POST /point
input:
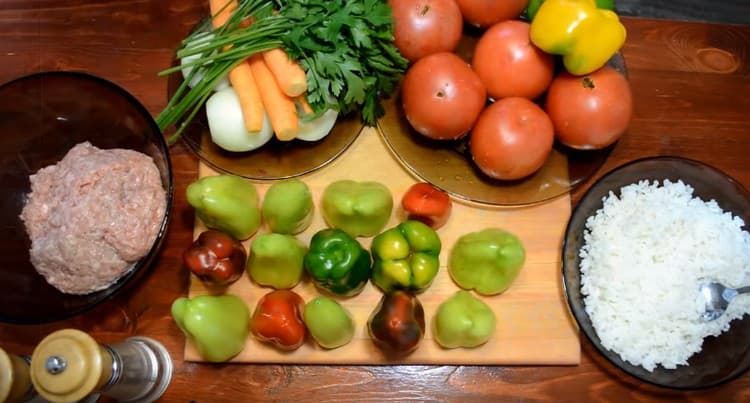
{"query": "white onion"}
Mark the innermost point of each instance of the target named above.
(319, 127)
(227, 125)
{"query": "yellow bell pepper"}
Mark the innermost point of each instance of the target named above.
(584, 35)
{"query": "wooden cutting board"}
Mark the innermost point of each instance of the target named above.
(533, 322)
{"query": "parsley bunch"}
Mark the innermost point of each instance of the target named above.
(345, 47)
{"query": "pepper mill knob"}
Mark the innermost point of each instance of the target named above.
(69, 365)
(15, 383)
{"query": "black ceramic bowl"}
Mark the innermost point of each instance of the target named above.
(722, 358)
(42, 116)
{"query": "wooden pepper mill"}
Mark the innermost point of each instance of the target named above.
(69, 365)
(15, 380)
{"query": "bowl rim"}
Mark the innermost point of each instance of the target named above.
(146, 262)
(593, 338)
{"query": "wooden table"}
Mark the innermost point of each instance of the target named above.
(690, 82)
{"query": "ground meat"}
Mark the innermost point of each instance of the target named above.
(92, 215)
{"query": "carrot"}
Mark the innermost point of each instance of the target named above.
(280, 108)
(302, 101)
(241, 77)
(221, 10)
(289, 74)
(245, 86)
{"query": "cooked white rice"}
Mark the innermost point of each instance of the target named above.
(644, 255)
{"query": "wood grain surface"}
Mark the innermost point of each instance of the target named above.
(690, 83)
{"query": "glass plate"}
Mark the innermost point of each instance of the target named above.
(448, 165)
(276, 159)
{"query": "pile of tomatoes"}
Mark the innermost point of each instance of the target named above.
(509, 98)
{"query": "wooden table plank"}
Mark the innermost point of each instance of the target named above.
(727, 11)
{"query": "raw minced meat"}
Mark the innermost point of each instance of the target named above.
(92, 215)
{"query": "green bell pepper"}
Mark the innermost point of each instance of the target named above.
(227, 203)
(463, 320)
(329, 323)
(359, 208)
(276, 260)
(487, 261)
(288, 207)
(406, 257)
(217, 325)
(337, 262)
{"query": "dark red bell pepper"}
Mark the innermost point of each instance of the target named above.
(424, 202)
(216, 258)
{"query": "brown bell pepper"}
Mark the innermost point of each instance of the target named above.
(216, 258)
(397, 325)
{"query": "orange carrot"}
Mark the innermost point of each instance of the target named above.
(221, 10)
(289, 74)
(302, 101)
(280, 108)
(245, 86)
(241, 76)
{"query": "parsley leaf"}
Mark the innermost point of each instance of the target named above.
(351, 61)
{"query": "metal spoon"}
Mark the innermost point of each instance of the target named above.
(718, 298)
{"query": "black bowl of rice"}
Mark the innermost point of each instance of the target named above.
(637, 246)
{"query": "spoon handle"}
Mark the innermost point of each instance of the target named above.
(743, 290)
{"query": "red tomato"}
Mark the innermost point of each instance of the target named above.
(278, 320)
(510, 65)
(512, 139)
(424, 27)
(483, 13)
(428, 204)
(442, 96)
(590, 112)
